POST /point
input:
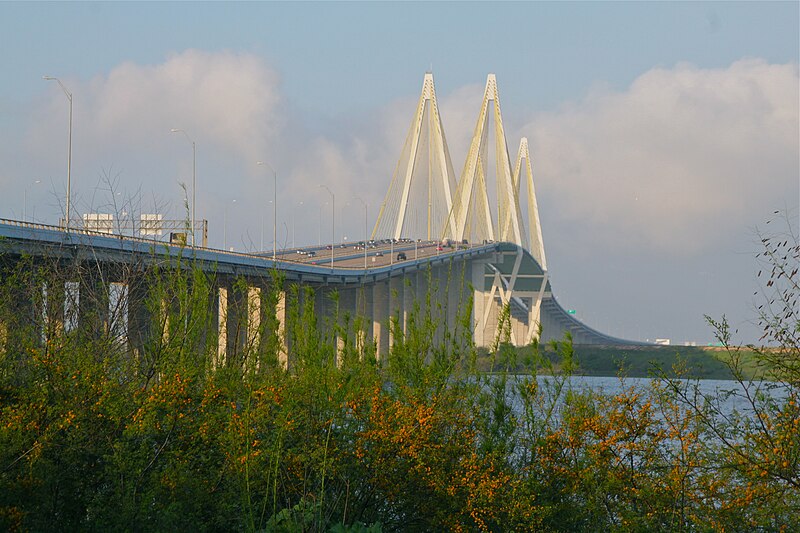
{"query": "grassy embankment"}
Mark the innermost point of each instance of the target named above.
(698, 362)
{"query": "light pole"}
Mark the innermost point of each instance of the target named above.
(275, 211)
(69, 152)
(333, 222)
(194, 173)
(25, 203)
(365, 229)
(225, 226)
(293, 210)
(319, 228)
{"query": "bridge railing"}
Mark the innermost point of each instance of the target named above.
(232, 254)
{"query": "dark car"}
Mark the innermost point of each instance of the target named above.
(401, 256)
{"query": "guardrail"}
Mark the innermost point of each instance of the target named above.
(131, 238)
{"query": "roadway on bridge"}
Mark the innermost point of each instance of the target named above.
(352, 256)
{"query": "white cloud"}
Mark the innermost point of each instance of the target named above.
(670, 163)
(226, 100)
(680, 158)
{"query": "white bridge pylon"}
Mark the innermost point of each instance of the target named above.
(536, 244)
(471, 202)
(422, 176)
(424, 201)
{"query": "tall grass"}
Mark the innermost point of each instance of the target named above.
(161, 429)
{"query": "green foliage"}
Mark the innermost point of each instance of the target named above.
(177, 426)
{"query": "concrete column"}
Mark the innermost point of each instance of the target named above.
(458, 304)
(396, 311)
(19, 327)
(93, 303)
(409, 295)
(222, 326)
(422, 291)
(253, 343)
(380, 319)
(440, 307)
(53, 294)
(479, 304)
(238, 312)
(283, 342)
(326, 308)
(454, 295)
(139, 316)
(346, 314)
(368, 319)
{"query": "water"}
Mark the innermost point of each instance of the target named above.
(730, 398)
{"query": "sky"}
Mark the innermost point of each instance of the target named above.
(663, 136)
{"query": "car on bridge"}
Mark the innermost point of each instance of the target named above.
(401, 256)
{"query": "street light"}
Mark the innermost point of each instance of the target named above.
(225, 226)
(69, 153)
(25, 203)
(365, 229)
(333, 222)
(293, 211)
(275, 211)
(319, 228)
(194, 173)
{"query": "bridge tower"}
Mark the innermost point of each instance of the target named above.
(536, 243)
(420, 196)
(471, 214)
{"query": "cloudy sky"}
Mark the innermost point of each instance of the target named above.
(663, 135)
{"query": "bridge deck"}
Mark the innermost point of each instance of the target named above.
(348, 265)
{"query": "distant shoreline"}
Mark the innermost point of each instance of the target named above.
(696, 362)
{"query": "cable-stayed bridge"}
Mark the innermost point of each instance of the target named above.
(454, 240)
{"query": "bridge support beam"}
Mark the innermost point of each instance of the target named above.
(396, 310)
(221, 316)
(409, 295)
(363, 322)
(380, 319)
(93, 303)
(139, 316)
(282, 339)
(346, 315)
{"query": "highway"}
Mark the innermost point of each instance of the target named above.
(380, 254)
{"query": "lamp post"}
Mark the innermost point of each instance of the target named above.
(25, 203)
(333, 222)
(69, 152)
(225, 226)
(365, 229)
(275, 211)
(293, 211)
(319, 228)
(194, 173)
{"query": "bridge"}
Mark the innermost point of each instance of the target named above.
(436, 239)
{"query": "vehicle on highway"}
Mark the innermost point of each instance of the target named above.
(378, 254)
(311, 253)
(401, 256)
